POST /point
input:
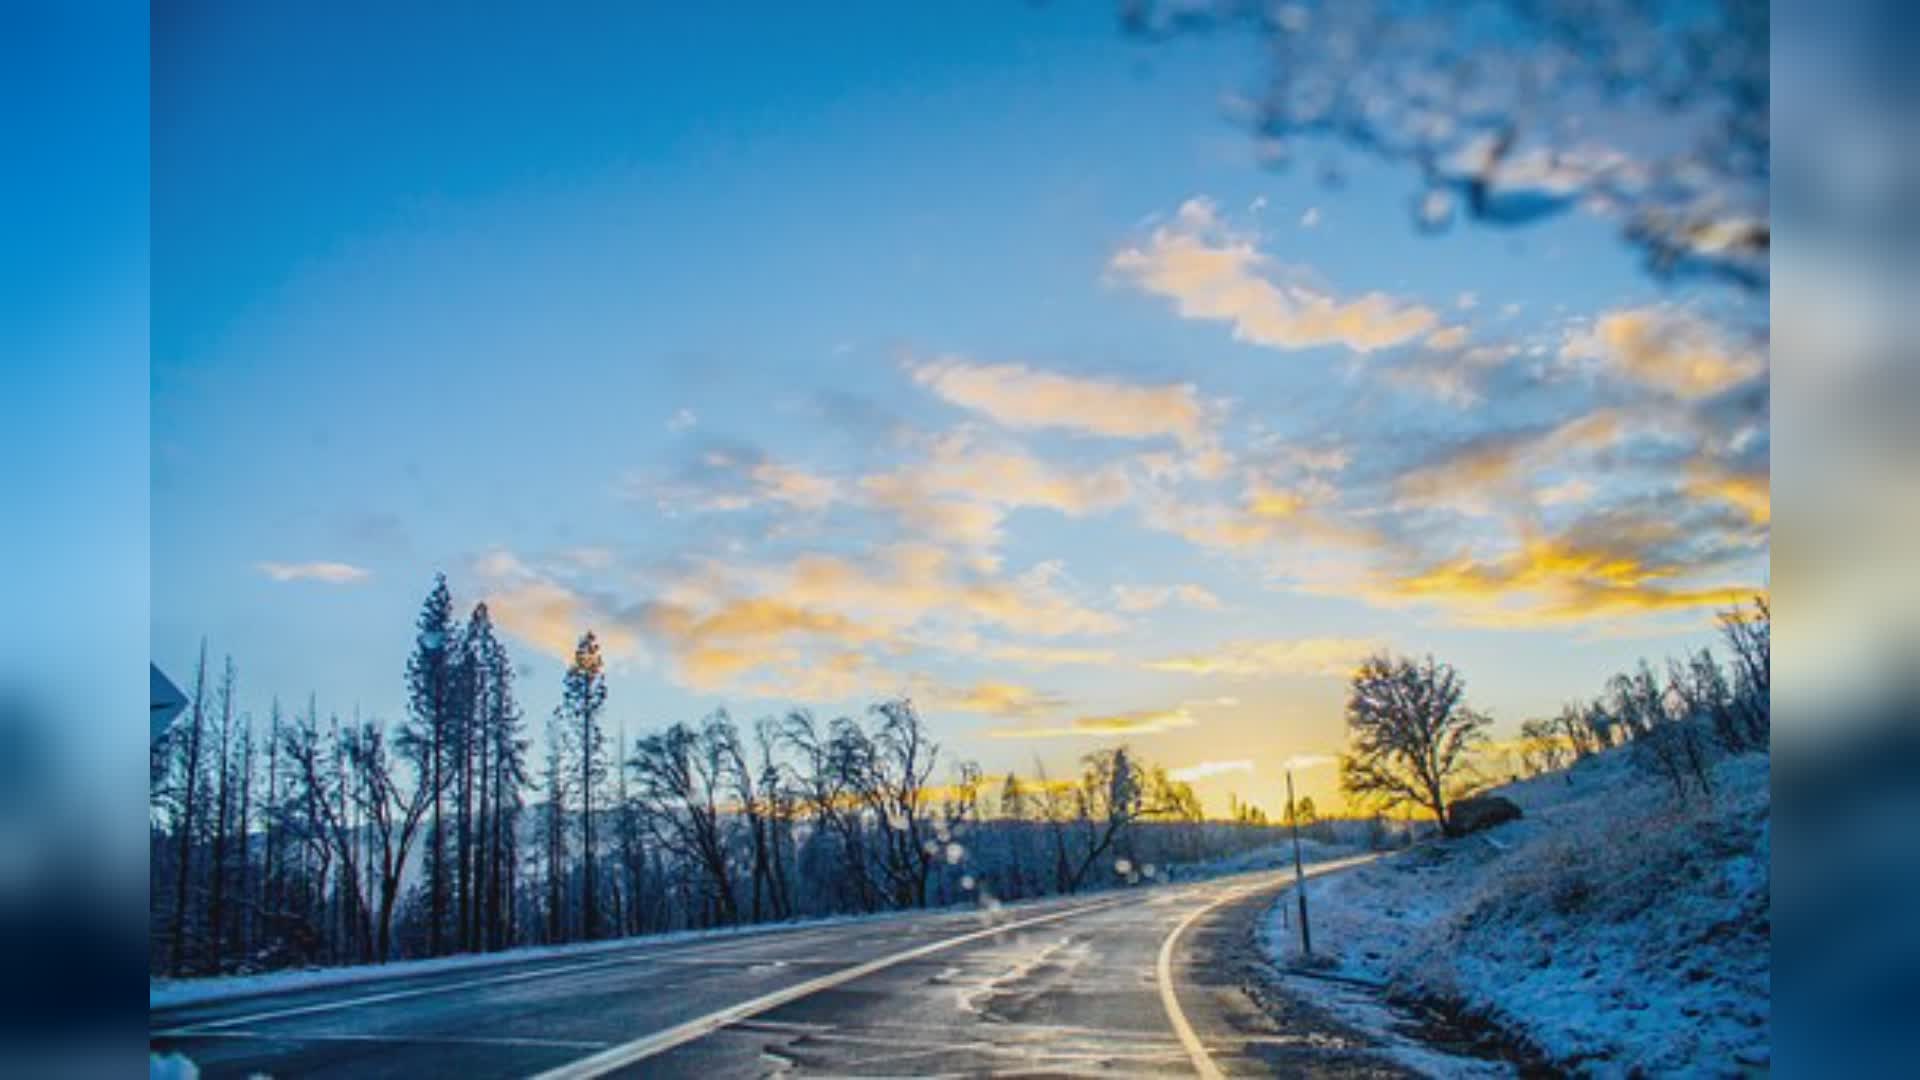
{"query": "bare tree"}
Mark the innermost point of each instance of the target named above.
(1749, 637)
(322, 768)
(1544, 746)
(779, 800)
(1110, 798)
(894, 786)
(681, 773)
(832, 766)
(1410, 734)
(756, 787)
(1636, 701)
(392, 812)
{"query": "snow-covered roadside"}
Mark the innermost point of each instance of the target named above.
(1607, 931)
(1271, 857)
(172, 993)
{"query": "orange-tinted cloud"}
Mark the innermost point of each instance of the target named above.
(1304, 656)
(1142, 722)
(1138, 598)
(1021, 397)
(552, 617)
(1556, 580)
(1666, 348)
(1750, 492)
(995, 698)
(1213, 273)
(1204, 769)
(1048, 655)
(1493, 473)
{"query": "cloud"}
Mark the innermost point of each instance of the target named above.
(907, 583)
(1025, 398)
(330, 573)
(1302, 762)
(1483, 475)
(1451, 374)
(735, 627)
(1305, 656)
(1749, 491)
(1266, 517)
(1666, 348)
(1203, 770)
(963, 490)
(1048, 656)
(963, 522)
(1213, 703)
(998, 699)
(736, 478)
(793, 486)
(1610, 567)
(1310, 217)
(1574, 490)
(1142, 722)
(682, 420)
(1152, 597)
(797, 675)
(551, 618)
(1212, 273)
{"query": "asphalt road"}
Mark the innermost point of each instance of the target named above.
(1150, 981)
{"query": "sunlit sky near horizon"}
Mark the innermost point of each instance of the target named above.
(964, 353)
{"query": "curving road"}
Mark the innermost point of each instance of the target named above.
(1151, 981)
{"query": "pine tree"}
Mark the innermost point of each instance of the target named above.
(190, 750)
(492, 771)
(507, 750)
(554, 779)
(583, 698)
(469, 682)
(429, 690)
(223, 817)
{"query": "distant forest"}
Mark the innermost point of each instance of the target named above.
(314, 839)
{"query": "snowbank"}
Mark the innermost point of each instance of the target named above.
(1270, 857)
(1608, 931)
(172, 993)
(165, 993)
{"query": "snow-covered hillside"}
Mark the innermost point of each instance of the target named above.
(1608, 931)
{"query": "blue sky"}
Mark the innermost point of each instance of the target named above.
(969, 353)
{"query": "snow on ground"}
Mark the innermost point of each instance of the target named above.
(164, 993)
(1609, 931)
(1270, 857)
(171, 993)
(171, 1067)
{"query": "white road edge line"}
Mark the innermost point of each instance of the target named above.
(1196, 1051)
(630, 1053)
(637, 952)
(209, 1026)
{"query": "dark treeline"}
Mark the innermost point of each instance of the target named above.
(1679, 724)
(1413, 741)
(309, 839)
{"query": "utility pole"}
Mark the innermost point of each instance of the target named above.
(1299, 873)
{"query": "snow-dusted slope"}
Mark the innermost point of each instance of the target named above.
(1610, 929)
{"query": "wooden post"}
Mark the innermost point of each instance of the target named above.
(1299, 873)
